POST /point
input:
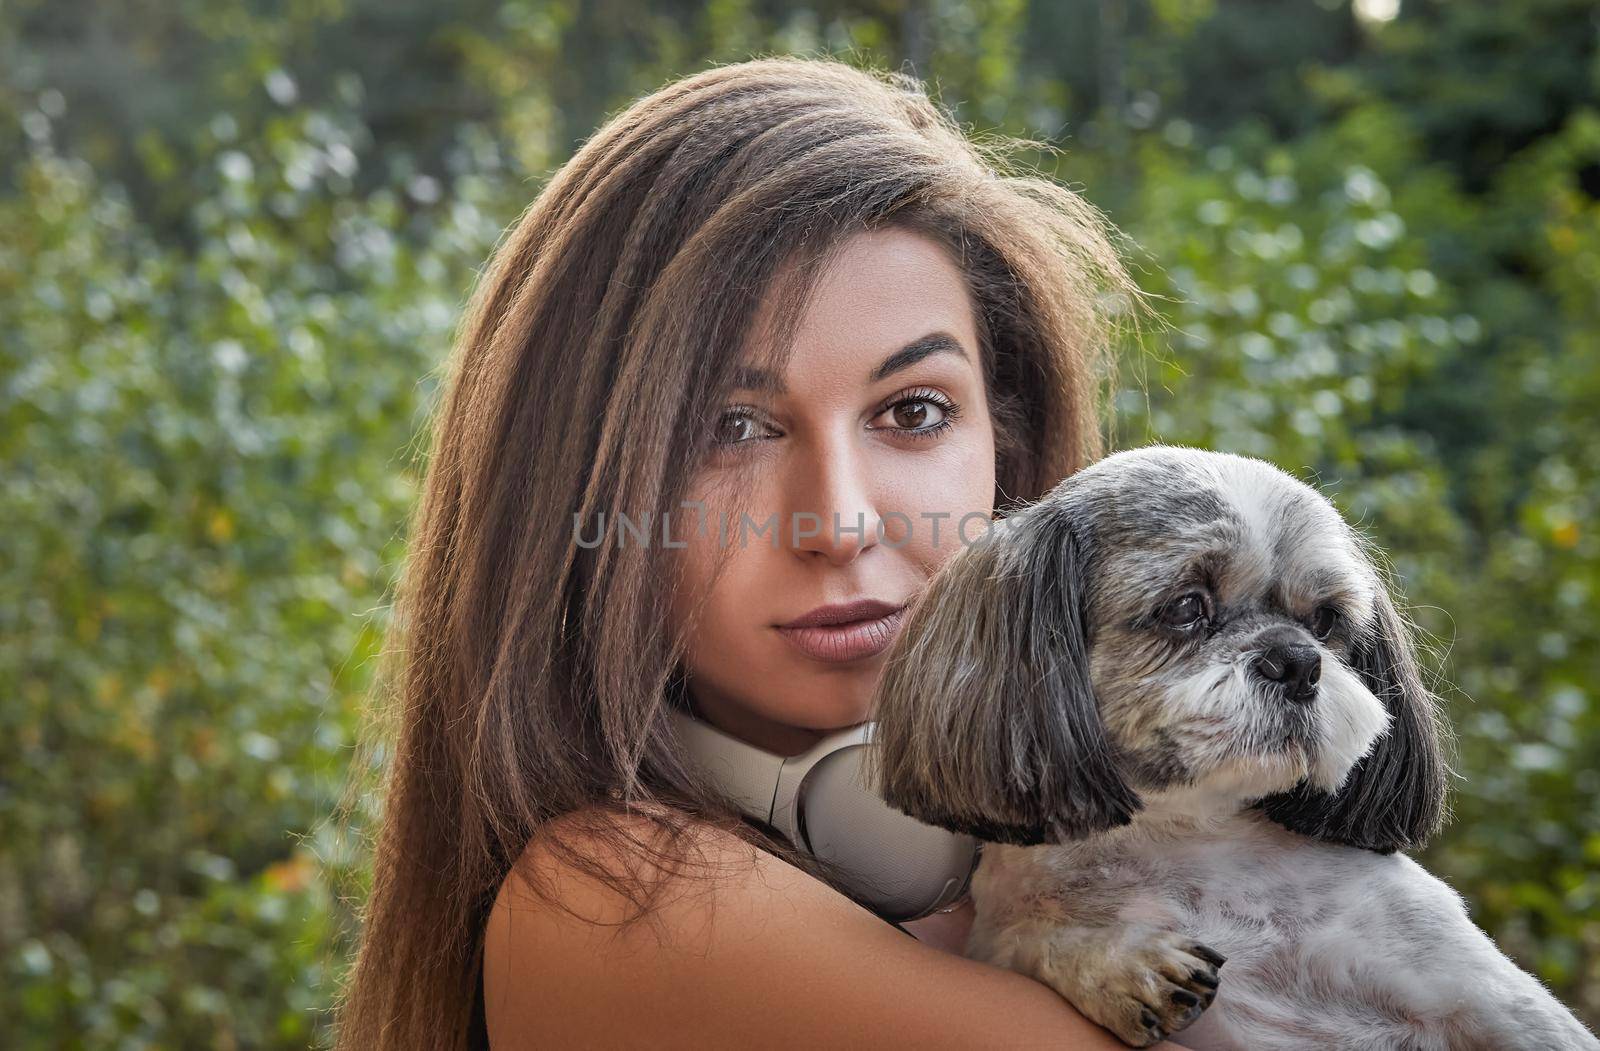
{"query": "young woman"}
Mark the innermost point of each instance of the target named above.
(785, 292)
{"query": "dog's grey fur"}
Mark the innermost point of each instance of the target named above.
(1153, 794)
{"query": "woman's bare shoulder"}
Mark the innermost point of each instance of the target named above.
(625, 845)
(763, 954)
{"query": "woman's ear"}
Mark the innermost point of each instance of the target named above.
(986, 720)
(1394, 797)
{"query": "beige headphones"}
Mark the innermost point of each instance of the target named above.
(902, 868)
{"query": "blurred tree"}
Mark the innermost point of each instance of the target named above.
(203, 485)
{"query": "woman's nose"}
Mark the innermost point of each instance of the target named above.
(833, 512)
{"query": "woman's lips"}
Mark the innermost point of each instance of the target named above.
(845, 642)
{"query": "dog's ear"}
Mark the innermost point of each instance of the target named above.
(1394, 797)
(986, 719)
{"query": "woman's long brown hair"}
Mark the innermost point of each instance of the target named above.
(529, 671)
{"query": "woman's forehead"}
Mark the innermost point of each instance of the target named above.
(887, 300)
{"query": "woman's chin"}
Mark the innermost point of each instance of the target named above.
(830, 707)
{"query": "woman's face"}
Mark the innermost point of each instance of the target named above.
(875, 424)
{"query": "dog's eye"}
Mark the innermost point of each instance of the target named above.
(1185, 611)
(1323, 621)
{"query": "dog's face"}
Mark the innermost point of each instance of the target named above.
(1168, 622)
(1224, 603)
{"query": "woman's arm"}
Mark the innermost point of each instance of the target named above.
(772, 958)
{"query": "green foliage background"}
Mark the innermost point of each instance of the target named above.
(237, 237)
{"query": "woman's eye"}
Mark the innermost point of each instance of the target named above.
(735, 427)
(1185, 611)
(913, 415)
(921, 414)
(1323, 621)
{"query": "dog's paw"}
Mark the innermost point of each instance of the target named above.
(1142, 984)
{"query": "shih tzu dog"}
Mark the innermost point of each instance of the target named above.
(1176, 702)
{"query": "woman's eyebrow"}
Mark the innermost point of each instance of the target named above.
(757, 379)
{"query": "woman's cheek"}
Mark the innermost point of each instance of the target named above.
(947, 500)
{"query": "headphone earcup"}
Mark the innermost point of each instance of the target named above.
(903, 867)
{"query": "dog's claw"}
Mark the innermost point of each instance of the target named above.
(1142, 984)
(1154, 1031)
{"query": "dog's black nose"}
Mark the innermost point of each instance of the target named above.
(1295, 666)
